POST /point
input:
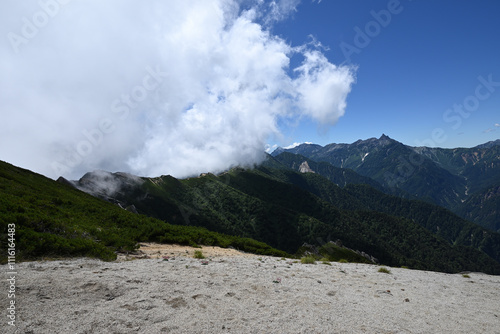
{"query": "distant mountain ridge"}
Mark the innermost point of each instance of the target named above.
(286, 208)
(447, 177)
(489, 144)
(288, 200)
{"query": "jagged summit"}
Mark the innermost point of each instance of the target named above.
(307, 149)
(373, 142)
(304, 149)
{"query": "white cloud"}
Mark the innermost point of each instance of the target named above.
(167, 87)
(323, 88)
(292, 146)
(497, 125)
(295, 145)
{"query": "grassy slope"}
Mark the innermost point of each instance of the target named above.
(257, 204)
(54, 220)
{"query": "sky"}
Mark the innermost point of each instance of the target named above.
(186, 87)
(415, 69)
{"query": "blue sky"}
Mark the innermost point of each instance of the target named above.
(424, 61)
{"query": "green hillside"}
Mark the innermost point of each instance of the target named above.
(338, 176)
(459, 179)
(54, 220)
(273, 206)
(395, 166)
(483, 207)
(277, 207)
(437, 220)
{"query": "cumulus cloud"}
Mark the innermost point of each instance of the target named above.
(163, 87)
(322, 87)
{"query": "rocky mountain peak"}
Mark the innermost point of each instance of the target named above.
(304, 168)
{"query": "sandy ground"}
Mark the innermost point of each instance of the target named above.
(158, 251)
(234, 292)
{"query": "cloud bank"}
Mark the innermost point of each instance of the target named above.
(163, 87)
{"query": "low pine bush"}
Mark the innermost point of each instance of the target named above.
(198, 254)
(308, 260)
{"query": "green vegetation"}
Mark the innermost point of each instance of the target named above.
(464, 180)
(440, 222)
(198, 254)
(309, 259)
(280, 208)
(54, 220)
(285, 209)
(336, 253)
(336, 175)
(483, 208)
(384, 270)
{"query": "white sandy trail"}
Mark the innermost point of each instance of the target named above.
(236, 294)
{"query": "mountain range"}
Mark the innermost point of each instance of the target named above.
(375, 201)
(463, 180)
(290, 200)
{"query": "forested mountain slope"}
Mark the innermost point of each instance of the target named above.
(276, 206)
(52, 220)
(458, 179)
